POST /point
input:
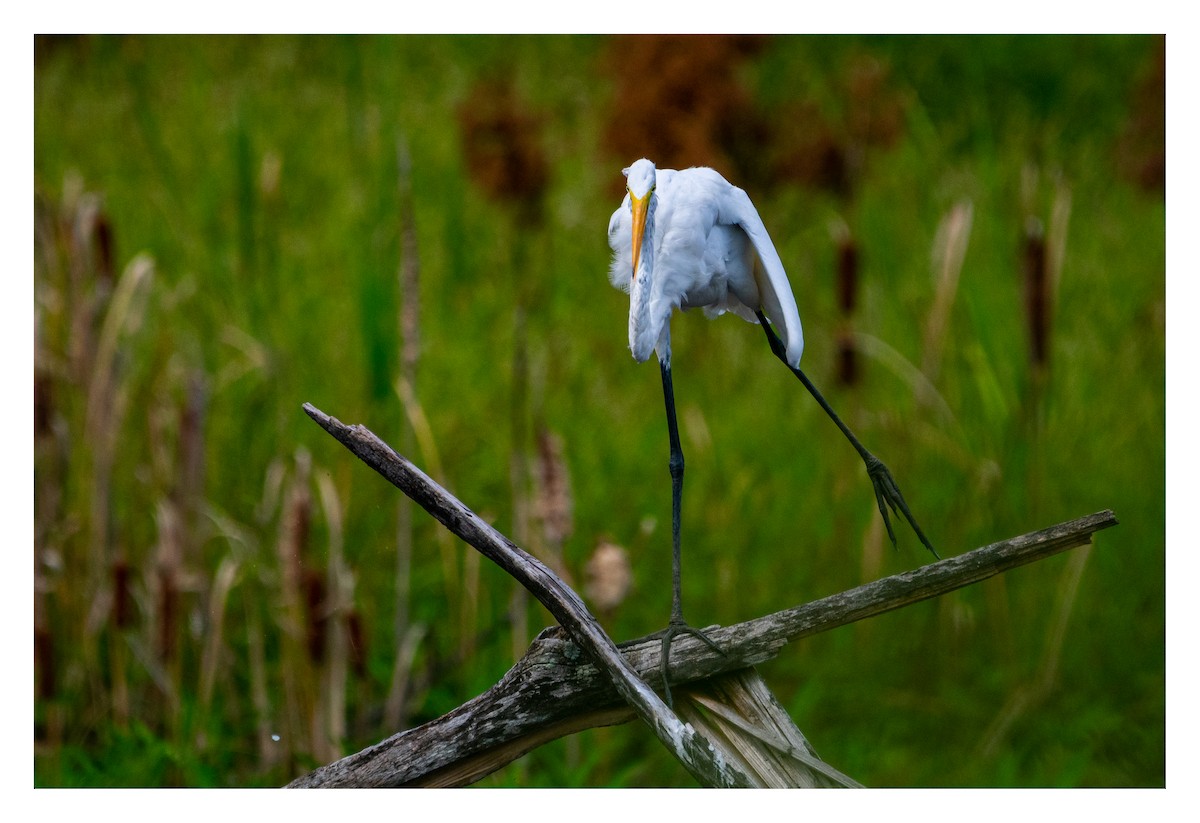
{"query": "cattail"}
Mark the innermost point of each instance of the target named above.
(43, 656)
(815, 155)
(43, 404)
(409, 276)
(518, 474)
(191, 441)
(1141, 150)
(708, 115)
(874, 111)
(848, 373)
(847, 291)
(167, 573)
(410, 270)
(122, 608)
(554, 503)
(315, 615)
(103, 233)
(502, 145)
(168, 613)
(830, 152)
(294, 538)
(847, 269)
(297, 675)
(1037, 313)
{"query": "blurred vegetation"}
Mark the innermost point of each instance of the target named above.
(409, 232)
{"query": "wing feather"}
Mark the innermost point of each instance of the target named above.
(779, 303)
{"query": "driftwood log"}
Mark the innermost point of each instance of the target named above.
(574, 677)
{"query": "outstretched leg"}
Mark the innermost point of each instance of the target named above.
(887, 493)
(677, 624)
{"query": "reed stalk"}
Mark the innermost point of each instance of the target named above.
(553, 504)
(168, 570)
(108, 396)
(340, 588)
(269, 750)
(296, 669)
(518, 477)
(122, 619)
(427, 447)
(410, 353)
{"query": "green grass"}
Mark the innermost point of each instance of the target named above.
(261, 176)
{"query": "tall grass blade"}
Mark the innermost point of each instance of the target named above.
(949, 252)
(215, 647)
(340, 588)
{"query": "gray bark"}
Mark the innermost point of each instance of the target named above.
(573, 677)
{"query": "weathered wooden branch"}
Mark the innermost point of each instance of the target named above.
(696, 754)
(556, 690)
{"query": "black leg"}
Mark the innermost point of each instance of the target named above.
(677, 624)
(887, 493)
(676, 467)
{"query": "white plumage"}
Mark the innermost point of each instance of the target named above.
(687, 239)
(704, 245)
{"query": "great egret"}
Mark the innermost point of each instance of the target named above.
(683, 239)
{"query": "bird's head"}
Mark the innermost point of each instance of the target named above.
(639, 182)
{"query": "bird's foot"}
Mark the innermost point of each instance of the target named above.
(887, 495)
(675, 628)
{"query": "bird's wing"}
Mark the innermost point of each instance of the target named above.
(778, 301)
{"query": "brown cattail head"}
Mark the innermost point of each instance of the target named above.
(847, 274)
(122, 609)
(92, 243)
(315, 613)
(43, 404)
(168, 612)
(679, 102)
(816, 155)
(555, 505)
(1142, 147)
(502, 144)
(103, 232)
(847, 298)
(848, 373)
(1037, 291)
(828, 150)
(410, 269)
(875, 110)
(191, 439)
(299, 515)
(43, 656)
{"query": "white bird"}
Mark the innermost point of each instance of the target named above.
(688, 239)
